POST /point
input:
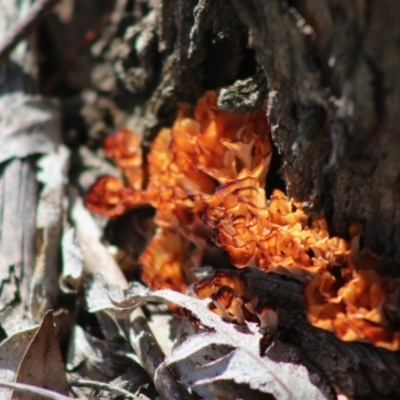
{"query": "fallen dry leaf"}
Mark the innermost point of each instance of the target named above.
(34, 391)
(96, 359)
(224, 352)
(11, 352)
(99, 388)
(88, 239)
(42, 363)
(28, 125)
(72, 261)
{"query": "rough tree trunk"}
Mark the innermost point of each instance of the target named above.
(333, 97)
(332, 67)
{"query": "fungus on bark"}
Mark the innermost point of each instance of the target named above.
(206, 181)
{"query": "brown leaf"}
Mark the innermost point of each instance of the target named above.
(42, 364)
(11, 352)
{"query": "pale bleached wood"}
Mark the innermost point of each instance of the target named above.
(29, 128)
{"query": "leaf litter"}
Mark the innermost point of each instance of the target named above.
(42, 364)
(227, 353)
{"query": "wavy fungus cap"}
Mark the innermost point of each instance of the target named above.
(123, 147)
(356, 304)
(204, 148)
(109, 197)
(205, 177)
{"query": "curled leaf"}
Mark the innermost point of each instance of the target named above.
(222, 352)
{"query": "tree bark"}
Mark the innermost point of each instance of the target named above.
(334, 100)
(358, 369)
(333, 95)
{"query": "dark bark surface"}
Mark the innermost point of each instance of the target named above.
(358, 369)
(170, 51)
(333, 98)
(334, 102)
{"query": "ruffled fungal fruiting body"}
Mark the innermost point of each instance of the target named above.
(356, 303)
(206, 177)
(275, 236)
(204, 148)
(231, 299)
(124, 148)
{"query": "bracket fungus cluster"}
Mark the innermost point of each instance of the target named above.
(205, 177)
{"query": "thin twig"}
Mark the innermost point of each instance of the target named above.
(24, 27)
(34, 389)
(103, 386)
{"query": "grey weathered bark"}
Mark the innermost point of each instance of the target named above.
(18, 186)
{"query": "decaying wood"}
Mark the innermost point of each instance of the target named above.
(326, 71)
(333, 101)
(356, 368)
(16, 239)
(332, 69)
(173, 51)
(18, 189)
